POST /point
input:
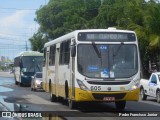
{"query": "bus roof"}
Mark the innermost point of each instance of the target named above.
(74, 33)
(30, 53)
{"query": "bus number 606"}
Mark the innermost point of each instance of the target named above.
(95, 88)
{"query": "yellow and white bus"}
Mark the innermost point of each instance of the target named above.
(100, 65)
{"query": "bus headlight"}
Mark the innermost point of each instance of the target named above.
(135, 85)
(81, 85)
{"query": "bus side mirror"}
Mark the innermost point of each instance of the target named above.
(73, 51)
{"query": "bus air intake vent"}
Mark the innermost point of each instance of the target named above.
(108, 82)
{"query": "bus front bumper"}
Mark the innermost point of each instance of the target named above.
(82, 95)
(26, 80)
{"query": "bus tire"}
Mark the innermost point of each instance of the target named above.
(143, 95)
(53, 97)
(66, 89)
(120, 105)
(158, 96)
(72, 104)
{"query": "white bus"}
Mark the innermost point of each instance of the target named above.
(100, 65)
(25, 66)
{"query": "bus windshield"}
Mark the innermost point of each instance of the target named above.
(107, 61)
(32, 63)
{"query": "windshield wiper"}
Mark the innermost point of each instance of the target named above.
(117, 51)
(96, 50)
(38, 67)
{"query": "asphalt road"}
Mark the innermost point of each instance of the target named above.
(22, 99)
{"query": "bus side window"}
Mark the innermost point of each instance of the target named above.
(67, 52)
(64, 53)
(52, 55)
(61, 57)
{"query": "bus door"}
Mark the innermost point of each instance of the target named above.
(72, 70)
(72, 82)
(56, 80)
(47, 68)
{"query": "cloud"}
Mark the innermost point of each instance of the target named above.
(15, 31)
(33, 27)
(14, 22)
(12, 32)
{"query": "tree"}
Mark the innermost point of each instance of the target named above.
(64, 16)
(37, 41)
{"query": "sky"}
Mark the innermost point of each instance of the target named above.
(17, 25)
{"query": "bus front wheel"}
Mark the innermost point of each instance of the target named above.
(120, 104)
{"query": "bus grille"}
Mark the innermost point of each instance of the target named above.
(109, 82)
(115, 95)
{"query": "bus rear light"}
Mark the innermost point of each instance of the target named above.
(81, 85)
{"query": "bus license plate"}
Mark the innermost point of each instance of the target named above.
(109, 99)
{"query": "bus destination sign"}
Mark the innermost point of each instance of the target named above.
(106, 36)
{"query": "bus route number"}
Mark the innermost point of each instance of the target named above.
(95, 88)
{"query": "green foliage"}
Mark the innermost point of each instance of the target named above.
(61, 17)
(38, 40)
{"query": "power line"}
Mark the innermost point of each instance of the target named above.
(21, 34)
(4, 39)
(13, 12)
(14, 34)
(4, 45)
(11, 38)
(18, 9)
(24, 48)
(12, 46)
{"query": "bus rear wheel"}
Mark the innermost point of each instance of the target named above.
(120, 105)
